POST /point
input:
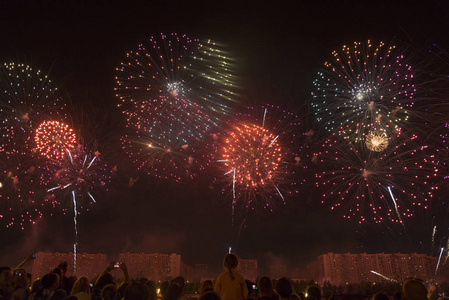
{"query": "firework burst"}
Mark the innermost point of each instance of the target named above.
(163, 135)
(79, 171)
(54, 139)
(376, 141)
(364, 85)
(258, 158)
(78, 175)
(377, 186)
(27, 97)
(176, 66)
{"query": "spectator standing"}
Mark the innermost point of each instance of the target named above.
(230, 285)
(20, 281)
(284, 288)
(413, 289)
(5, 283)
(265, 288)
(81, 289)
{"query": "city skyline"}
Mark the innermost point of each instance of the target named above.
(335, 268)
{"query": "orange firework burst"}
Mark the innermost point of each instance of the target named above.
(54, 139)
(253, 160)
(260, 157)
(254, 153)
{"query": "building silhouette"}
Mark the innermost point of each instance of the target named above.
(200, 271)
(153, 266)
(355, 268)
(333, 267)
(89, 265)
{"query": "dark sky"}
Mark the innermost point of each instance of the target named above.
(279, 47)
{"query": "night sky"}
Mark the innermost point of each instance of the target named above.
(278, 48)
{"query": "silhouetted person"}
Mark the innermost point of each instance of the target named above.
(230, 285)
(180, 280)
(210, 295)
(136, 291)
(174, 291)
(413, 289)
(65, 283)
(151, 285)
(265, 288)
(36, 286)
(59, 272)
(164, 288)
(249, 287)
(106, 278)
(20, 282)
(81, 288)
(121, 290)
(109, 292)
(314, 291)
(380, 296)
(50, 289)
(6, 287)
(206, 286)
(103, 280)
(284, 288)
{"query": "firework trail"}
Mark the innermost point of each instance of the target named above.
(447, 252)
(80, 174)
(383, 276)
(75, 222)
(439, 259)
(395, 205)
(433, 236)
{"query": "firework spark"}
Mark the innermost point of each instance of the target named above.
(439, 260)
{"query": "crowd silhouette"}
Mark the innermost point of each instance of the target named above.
(17, 284)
